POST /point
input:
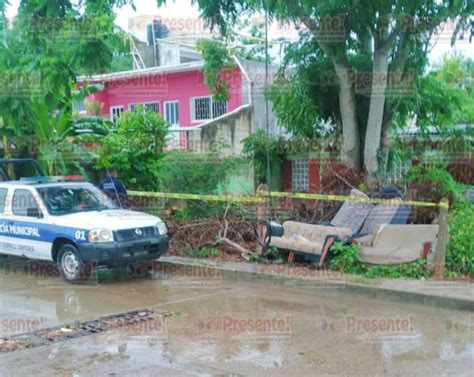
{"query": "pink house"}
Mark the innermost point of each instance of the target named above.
(178, 93)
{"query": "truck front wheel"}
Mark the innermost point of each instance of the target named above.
(69, 263)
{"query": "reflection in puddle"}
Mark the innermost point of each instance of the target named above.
(261, 326)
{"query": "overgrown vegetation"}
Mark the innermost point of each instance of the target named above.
(42, 51)
(260, 149)
(135, 147)
(346, 260)
(204, 252)
(433, 183)
(460, 250)
(186, 172)
(217, 63)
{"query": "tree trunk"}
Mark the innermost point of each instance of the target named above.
(350, 132)
(376, 111)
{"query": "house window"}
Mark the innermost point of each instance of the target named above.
(205, 108)
(115, 113)
(300, 175)
(219, 108)
(201, 108)
(79, 106)
(153, 106)
(172, 112)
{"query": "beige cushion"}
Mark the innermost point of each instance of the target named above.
(288, 244)
(352, 214)
(308, 238)
(396, 244)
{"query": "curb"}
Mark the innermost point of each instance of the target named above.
(248, 272)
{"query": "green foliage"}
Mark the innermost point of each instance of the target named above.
(204, 252)
(119, 45)
(248, 40)
(460, 250)
(433, 183)
(362, 187)
(134, 147)
(455, 72)
(355, 35)
(415, 270)
(304, 94)
(186, 172)
(216, 61)
(257, 147)
(294, 106)
(42, 52)
(345, 260)
(56, 139)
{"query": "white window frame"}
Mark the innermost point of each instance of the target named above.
(145, 103)
(112, 108)
(164, 109)
(211, 110)
(192, 101)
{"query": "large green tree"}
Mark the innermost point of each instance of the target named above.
(42, 51)
(371, 48)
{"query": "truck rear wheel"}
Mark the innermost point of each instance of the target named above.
(69, 263)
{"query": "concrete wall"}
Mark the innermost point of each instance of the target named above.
(226, 133)
(256, 73)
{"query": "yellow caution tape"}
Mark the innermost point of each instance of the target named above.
(261, 196)
(211, 198)
(341, 198)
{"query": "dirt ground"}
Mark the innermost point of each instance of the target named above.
(222, 328)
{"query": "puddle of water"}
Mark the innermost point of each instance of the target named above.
(235, 327)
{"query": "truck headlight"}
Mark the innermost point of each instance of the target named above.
(100, 235)
(161, 227)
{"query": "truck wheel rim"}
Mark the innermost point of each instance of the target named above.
(70, 264)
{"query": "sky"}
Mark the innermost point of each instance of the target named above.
(181, 12)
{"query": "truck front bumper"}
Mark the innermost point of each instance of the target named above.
(114, 254)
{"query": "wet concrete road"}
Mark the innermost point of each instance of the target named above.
(221, 328)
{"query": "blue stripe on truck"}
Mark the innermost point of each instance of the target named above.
(41, 232)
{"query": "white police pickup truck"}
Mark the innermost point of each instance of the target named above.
(74, 224)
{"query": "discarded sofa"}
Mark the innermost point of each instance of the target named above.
(358, 220)
(397, 244)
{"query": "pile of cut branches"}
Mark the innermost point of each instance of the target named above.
(230, 232)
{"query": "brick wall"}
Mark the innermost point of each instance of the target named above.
(313, 174)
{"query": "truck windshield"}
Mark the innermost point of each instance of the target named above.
(72, 199)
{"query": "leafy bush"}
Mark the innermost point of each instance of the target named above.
(186, 172)
(413, 270)
(216, 61)
(204, 252)
(346, 260)
(431, 184)
(460, 250)
(134, 147)
(255, 147)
